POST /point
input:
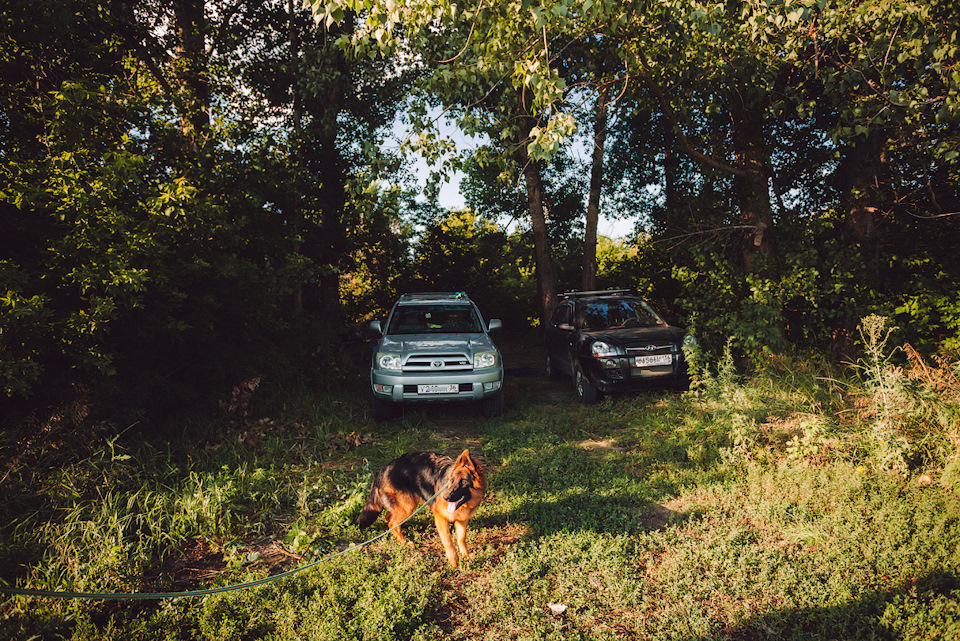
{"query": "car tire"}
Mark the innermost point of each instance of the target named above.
(492, 406)
(380, 410)
(587, 393)
(552, 372)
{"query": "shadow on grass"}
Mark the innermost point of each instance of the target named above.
(568, 488)
(585, 511)
(927, 607)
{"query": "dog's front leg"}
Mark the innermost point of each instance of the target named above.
(443, 528)
(461, 529)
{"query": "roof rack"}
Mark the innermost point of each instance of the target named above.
(435, 296)
(613, 291)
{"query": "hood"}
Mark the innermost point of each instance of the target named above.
(638, 335)
(437, 344)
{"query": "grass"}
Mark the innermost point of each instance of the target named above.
(760, 508)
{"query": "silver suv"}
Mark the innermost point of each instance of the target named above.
(435, 348)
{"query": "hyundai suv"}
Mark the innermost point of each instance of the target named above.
(612, 340)
(435, 348)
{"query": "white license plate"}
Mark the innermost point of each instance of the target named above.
(653, 360)
(438, 389)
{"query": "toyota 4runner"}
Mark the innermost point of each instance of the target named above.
(435, 347)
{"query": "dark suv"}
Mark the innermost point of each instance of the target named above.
(612, 340)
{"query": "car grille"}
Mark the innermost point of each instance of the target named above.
(437, 363)
(412, 389)
(650, 349)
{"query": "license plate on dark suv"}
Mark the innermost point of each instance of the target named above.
(652, 360)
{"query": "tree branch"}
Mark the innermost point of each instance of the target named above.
(669, 114)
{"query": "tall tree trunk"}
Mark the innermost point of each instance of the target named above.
(533, 181)
(589, 281)
(546, 279)
(192, 74)
(329, 166)
(753, 193)
(295, 214)
(860, 170)
(671, 180)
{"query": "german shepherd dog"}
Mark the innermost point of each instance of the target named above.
(410, 479)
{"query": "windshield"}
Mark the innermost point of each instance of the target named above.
(434, 319)
(617, 314)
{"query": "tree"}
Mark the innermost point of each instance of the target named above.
(158, 271)
(514, 62)
(465, 252)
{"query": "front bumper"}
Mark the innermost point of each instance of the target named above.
(399, 387)
(616, 373)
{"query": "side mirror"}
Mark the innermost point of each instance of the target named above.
(567, 327)
(494, 324)
(375, 327)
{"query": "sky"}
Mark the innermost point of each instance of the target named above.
(450, 197)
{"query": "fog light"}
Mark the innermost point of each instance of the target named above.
(489, 387)
(384, 389)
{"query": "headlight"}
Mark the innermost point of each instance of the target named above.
(484, 359)
(599, 349)
(388, 361)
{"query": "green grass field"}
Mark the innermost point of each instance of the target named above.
(802, 502)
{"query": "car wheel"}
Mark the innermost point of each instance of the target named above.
(492, 406)
(586, 391)
(552, 373)
(380, 410)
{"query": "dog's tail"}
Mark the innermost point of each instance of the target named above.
(371, 509)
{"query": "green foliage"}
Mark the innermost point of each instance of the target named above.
(144, 273)
(729, 304)
(23, 320)
(463, 252)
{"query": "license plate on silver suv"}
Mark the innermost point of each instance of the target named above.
(438, 389)
(652, 360)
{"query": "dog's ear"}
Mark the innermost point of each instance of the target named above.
(465, 460)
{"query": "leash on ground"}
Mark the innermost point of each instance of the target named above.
(144, 596)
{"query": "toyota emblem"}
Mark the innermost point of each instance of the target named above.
(436, 363)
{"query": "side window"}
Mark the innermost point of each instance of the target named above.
(557, 315)
(561, 315)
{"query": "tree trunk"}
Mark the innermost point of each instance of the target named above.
(192, 74)
(329, 166)
(671, 179)
(295, 214)
(860, 170)
(753, 193)
(589, 281)
(546, 279)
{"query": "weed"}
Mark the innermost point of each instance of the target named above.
(809, 442)
(911, 416)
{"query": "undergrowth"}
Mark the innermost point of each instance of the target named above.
(797, 500)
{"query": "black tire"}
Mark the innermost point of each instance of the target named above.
(587, 393)
(492, 406)
(552, 373)
(380, 410)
